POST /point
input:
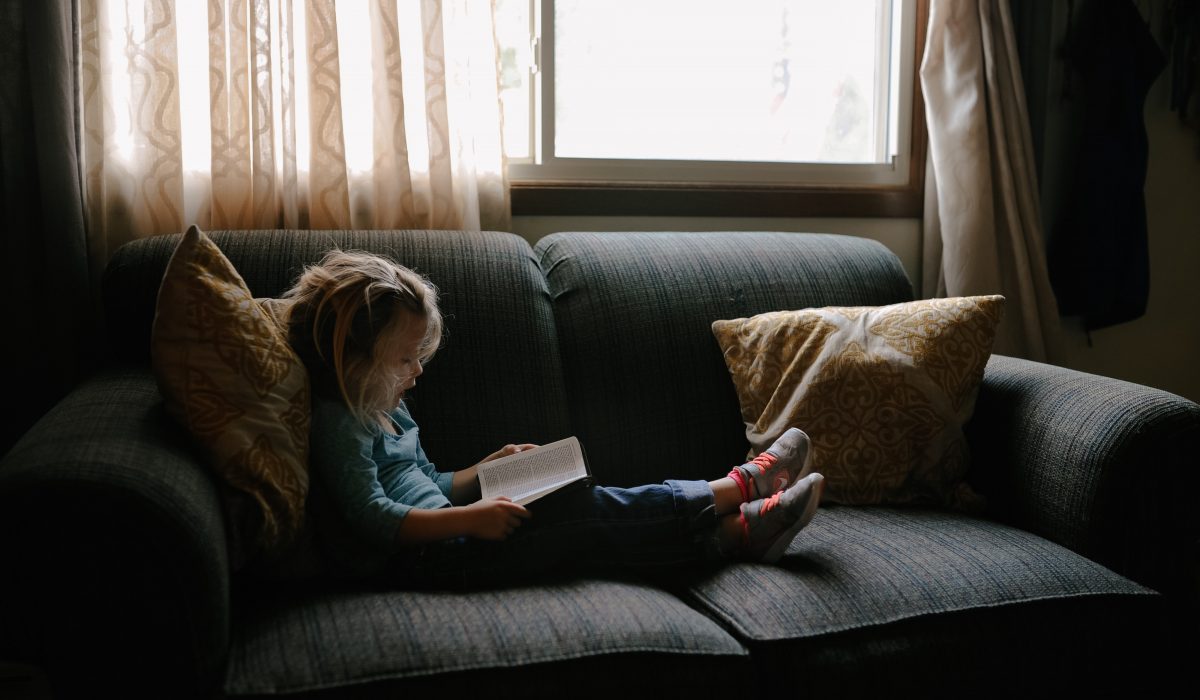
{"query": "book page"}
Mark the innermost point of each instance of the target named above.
(527, 476)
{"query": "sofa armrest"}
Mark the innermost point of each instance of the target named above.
(116, 568)
(1102, 466)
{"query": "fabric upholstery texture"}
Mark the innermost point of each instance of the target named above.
(856, 567)
(110, 479)
(343, 638)
(883, 392)
(649, 393)
(1104, 467)
(879, 601)
(869, 602)
(1091, 646)
(228, 374)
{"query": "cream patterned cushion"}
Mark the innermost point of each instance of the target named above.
(882, 391)
(228, 374)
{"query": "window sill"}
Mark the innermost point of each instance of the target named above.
(627, 199)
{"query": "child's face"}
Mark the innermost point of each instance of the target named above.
(403, 353)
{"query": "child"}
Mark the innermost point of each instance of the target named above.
(364, 327)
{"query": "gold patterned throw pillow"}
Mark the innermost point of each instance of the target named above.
(228, 374)
(883, 392)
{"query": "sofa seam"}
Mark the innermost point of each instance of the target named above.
(399, 675)
(727, 618)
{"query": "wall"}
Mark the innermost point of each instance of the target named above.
(1162, 348)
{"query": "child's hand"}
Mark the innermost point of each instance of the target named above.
(494, 519)
(506, 451)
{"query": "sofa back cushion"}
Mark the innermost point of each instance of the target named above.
(650, 394)
(497, 377)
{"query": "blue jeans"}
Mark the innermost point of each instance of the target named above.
(650, 527)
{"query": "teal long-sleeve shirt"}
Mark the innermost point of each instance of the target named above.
(371, 478)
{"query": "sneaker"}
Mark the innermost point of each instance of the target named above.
(777, 466)
(772, 523)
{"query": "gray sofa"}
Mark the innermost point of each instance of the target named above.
(117, 572)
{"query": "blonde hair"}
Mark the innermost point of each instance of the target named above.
(344, 310)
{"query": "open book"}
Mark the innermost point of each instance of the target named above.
(527, 476)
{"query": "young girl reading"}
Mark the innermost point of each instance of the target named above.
(364, 327)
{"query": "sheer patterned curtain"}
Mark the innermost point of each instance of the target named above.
(288, 113)
(982, 228)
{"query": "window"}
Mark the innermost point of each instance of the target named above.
(712, 106)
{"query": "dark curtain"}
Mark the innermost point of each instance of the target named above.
(49, 314)
(1098, 247)
(1033, 29)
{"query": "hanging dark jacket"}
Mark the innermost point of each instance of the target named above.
(1097, 249)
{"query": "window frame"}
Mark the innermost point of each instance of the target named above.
(538, 196)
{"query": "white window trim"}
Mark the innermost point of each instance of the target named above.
(582, 171)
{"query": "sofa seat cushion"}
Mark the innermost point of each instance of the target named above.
(861, 567)
(897, 600)
(334, 639)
